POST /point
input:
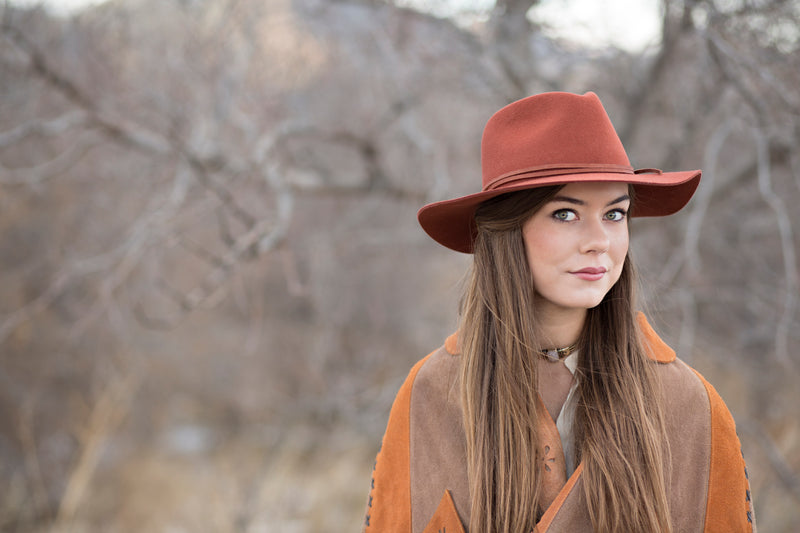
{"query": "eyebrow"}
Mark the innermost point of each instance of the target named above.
(576, 201)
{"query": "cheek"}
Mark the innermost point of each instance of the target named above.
(540, 240)
(619, 239)
(619, 250)
(542, 249)
(620, 244)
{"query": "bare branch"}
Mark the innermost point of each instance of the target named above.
(57, 286)
(262, 237)
(46, 128)
(26, 434)
(794, 164)
(780, 465)
(295, 285)
(57, 166)
(117, 129)
(145, 231)
(672, 33)
(120, 261)
(688, 303)
(691, 242)
(787, 247)
(514, 8)
(106, 414)
(222, 193)
(728, 59)
(199, 251)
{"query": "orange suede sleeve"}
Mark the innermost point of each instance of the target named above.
(729, 505)
(389, 504)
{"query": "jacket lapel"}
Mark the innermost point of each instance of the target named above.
(568, 511)
(561, 497)
(553, 468)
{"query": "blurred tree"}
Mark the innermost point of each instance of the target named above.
(210, 257)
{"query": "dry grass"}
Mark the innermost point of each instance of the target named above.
(310, 481)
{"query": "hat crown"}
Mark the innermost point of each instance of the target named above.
(553, 139)
(549, 130)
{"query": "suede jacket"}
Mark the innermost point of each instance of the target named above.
(419, 484)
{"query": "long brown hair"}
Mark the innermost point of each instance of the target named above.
(619, 429)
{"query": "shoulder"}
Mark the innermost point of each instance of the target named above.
(431, 378)
(704, 441)
(681, 385)
(433, 370)
(437, 442)
(708, 466)
(437, 377)
(425, 390)
(684, 389)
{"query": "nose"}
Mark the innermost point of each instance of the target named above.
(596, 238)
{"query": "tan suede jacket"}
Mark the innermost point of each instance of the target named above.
(419, 484)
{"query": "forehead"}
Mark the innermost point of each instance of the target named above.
(600, 189)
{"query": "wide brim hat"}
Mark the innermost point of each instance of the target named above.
(553, 139)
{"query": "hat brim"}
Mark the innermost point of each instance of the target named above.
(451, 223)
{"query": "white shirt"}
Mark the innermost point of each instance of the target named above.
(567, 415)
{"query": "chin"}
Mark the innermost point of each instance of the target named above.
(591, 305)
(582, 304)
(577, 300)
(588, 301)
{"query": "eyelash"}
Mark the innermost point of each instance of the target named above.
(621, 211)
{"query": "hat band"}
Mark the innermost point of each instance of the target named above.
(545, 171)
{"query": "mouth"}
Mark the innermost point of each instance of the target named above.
(590, 273)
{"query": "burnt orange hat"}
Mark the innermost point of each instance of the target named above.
(549, 139)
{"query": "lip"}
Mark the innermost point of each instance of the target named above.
(590, 273)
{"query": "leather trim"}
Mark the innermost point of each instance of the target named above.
(451, 344)
(389, 506)
(729, 505)
(445, 518)
(566, 492)
(657, 349)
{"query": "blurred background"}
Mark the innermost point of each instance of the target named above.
(212, 279)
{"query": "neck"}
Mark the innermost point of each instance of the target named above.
(560, 327)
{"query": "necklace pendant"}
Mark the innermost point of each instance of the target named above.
(555, 355)
(552, 356)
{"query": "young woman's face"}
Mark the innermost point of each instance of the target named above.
(576, 244)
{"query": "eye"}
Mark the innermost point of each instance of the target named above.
(565, 215)
(616, 215)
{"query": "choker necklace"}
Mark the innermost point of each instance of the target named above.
(555, 355)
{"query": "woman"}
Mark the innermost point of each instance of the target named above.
(556, 407)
